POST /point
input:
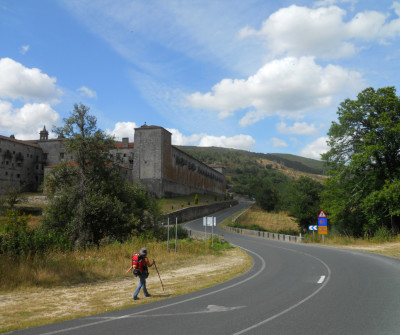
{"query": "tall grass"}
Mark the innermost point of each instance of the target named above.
(94, 264)
(256, 218)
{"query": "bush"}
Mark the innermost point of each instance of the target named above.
(19, 239)
(382, 235)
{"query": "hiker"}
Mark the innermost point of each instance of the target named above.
(141, 270)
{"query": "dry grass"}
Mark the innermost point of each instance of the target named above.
(91, 265)
(291, 173)
(272, 222)
(391, 248)
(32, 306)
(173, 204)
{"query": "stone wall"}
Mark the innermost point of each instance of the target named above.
(195, 212)
(21, 165)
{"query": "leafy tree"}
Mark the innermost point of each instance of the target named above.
(305, 201)
(90, 200)
(267, 195)
(364, 157)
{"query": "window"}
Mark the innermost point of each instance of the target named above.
(61, 155)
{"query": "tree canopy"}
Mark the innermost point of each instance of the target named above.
(90, 200)
(363, 194)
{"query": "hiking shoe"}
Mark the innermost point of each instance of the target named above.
(148, 295)
(135, 298)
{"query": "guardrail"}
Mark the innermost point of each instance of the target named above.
(264, 234)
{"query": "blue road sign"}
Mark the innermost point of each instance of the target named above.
(322, 221)
(312, 227)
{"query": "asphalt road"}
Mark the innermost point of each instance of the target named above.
(291, 289)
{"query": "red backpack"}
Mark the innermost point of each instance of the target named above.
(138, 264)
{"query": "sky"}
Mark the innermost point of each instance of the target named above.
(262, 76)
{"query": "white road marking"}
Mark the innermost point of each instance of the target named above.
(321, 280)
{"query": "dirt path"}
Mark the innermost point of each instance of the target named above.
(35, 306)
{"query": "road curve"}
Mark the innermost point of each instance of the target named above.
(291, 289)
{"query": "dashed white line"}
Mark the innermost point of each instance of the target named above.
(321, 280)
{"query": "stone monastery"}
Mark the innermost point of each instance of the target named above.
(161, 168)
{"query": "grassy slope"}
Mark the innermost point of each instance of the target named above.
(233, 160)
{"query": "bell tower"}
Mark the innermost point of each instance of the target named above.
(44, 134)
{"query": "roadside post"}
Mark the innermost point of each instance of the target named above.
(168, 235)
(322, 225)
(176, 233)
(205, 231)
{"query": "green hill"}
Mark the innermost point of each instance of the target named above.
(243, 167)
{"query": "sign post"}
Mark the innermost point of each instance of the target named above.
(168, 236)
(209, 221)
(322, 225)
(313, 229)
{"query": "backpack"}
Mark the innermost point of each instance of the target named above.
(138, 264)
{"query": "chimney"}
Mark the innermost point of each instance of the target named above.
(125, 142)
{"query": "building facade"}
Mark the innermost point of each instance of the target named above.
(151, 160)
(167, 171)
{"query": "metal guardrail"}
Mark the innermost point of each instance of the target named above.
(264, 234)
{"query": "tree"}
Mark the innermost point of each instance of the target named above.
(89, 198)
(267, 195)
(364, 157)
(304, 201)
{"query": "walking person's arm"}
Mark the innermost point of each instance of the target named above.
(148, 263)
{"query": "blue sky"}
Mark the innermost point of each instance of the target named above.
(263, 76)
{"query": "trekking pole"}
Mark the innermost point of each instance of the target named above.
(159, 276)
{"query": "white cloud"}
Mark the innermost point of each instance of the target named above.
(285, 87)
(26, 122)
(123, 129)
(24, 49)
(242, 142)
(278, 143)
(315, 149)
(20, 82)
(322, 32)
(36, 90)
(298, 128)
(87, 92)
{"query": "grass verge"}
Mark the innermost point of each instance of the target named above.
(66, 286)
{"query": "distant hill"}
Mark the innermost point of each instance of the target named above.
(240, 162)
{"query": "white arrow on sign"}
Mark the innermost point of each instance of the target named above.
(312, 227)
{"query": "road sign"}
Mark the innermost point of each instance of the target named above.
(312, 227)
(322, 223)
(209, 221)
(322, 230)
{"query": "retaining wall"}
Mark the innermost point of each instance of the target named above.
(191, 213)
